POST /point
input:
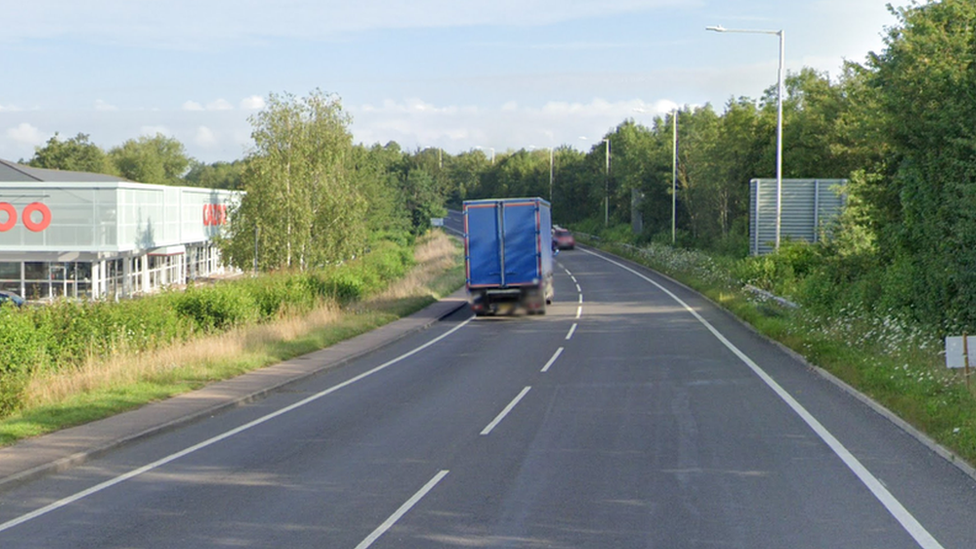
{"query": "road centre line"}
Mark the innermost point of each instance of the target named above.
(894, 507)
(410, 503)
(498, 419)
(578, 289)
(579, 312)
(213, 440)
(558, 352)
(571, 330)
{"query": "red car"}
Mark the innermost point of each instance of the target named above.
(563, 239)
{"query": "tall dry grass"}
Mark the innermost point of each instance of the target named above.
(435, 255)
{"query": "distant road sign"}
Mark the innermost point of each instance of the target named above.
(955, 351)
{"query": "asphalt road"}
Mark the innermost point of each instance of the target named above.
(633, 414)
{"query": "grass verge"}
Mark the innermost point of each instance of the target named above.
(101, 389)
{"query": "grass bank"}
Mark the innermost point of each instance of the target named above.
(100, 387)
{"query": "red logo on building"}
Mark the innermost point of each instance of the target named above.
(27, 216)
(214, 214)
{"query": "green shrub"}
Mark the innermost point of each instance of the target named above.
(345, 286)
(217, 307)
(21, 353)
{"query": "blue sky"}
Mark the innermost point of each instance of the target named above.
(455, 74)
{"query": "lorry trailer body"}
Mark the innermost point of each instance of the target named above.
(508, 255)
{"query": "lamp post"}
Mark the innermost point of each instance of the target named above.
(674, 168)
(492, 149)
(779, 117)
(674, 173)
(532, 148)
(606, 187)
(550, 175)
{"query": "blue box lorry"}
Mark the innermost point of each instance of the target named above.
(508, 255)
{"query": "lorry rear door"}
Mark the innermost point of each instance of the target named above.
(483, 229)
(521, 242)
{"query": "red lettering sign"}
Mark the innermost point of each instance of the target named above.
(214, 214)
(11, 217)
(28, 218)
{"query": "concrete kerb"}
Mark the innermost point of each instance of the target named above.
(55, 452)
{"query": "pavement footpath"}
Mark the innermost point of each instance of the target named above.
(32, 458)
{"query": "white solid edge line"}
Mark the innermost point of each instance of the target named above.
(498, 419)
(555, 355)
(173, 457)
(897, 510)
(571, 330)
(388, 523)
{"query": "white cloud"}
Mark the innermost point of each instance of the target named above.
(217, 105)
(101, 105)
(252, 103)
(25, 133)
(226, 23)
(220, 105)
(510, 126)
(205, 137)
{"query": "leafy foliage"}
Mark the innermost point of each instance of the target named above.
(301, 210)
(76, 154)
(158, 160)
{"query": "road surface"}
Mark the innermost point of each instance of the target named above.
(633, 414)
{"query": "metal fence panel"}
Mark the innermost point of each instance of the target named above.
(808, 206)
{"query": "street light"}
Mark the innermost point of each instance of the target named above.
(674, 172)
(550, 175)
(531, 148)
(606, 187)
(779, 117)
(606, 183)
(492, 149)
(674, 168)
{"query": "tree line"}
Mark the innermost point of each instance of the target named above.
(900, 127)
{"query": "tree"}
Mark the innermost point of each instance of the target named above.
(76, 154)
(925, 199)
(376, 175)
(301, 206)
(422, 200)
(157, 160)
(219, 175)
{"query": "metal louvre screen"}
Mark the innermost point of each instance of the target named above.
(808, 207)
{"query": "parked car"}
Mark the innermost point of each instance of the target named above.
(11, 297)
(563, 239)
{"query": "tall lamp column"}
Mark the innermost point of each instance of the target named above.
(779, 118)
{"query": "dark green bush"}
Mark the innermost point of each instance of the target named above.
(217, 307)
(345, 286)
(21, 353)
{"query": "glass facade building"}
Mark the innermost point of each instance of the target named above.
(105, 239)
